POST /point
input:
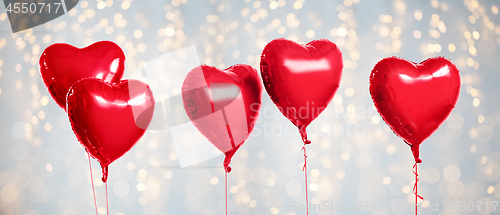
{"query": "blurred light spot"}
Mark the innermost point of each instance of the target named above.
(340, 175)
(246, 199)
(313, 186)
(168, 175)
(138, 154)
(44, 101)
(141, 187)
(125, 5)
(47, 127)
(475, 34)
(172, 156)
(214, 180)
(121, 188)
(391, 149)
(473, 148)
(274, 210)
(297, 5)
(233, 189)
(418, 14)
(9, 193)
(271, 182)
(467, 35)
(273, 5)
(451, 173)
(406, 189)
(261, 155)
(142, 173)
(363, 160)
(342, 32)
(431, 175)
(451, 47)
(349, 92)
(130, 166)
(293, 188)
(456, 188)
(476, 102)
(325, 128)
(310, 34)
(490, 190)
(386, 180)
(48, 167)
(345, 156)
(314, 173)
(480, 119)
(137, 33)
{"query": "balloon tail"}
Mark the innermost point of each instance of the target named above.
(415, 188)
(231, 152)
(107, 205)
(227, 161)
(305, 176)
(303, 134)
(92, 182)
(104, 172)
(225, 184)
(416, 152)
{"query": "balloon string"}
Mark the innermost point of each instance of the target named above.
(415, 188)
(305, 175)
(92, 181)
(107, 206)
(225, 181)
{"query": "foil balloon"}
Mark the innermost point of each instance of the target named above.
(61, 65)
(223, 105)
(301, 79)
(414, 99)
(108, 119)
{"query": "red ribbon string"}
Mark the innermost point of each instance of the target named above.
(107, 205)
(415, 188)
(305, 175)
(92, 181)
(225, 181)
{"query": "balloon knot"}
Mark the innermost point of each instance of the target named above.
(418, 160)
(104, 173)
(416, 152)
(303, 134)
(227, 168)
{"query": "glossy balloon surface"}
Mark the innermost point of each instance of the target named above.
(301, 79)
(223, 104)
(61, 65)
(108, 119)
(414, 99)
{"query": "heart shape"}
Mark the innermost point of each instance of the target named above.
(61, 65)
(223, 104)
(414, 99)
(301, 79)
(108, 119)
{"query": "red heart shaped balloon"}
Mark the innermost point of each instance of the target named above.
(223, 104)
(414, 99)
(108, 119)
(61, 65)
(301, 79)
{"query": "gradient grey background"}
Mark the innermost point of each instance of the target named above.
(353, 156)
